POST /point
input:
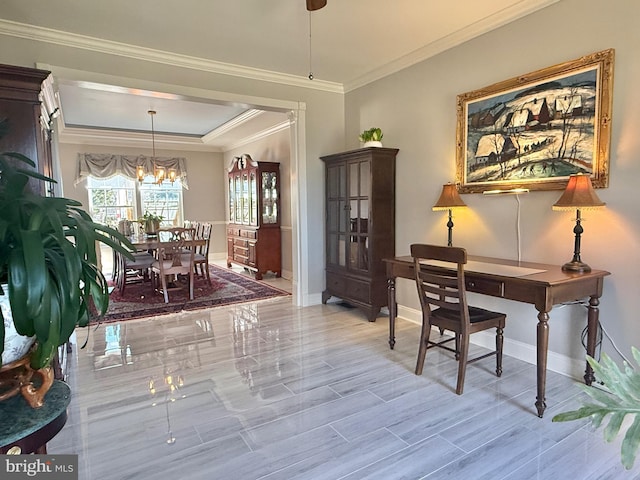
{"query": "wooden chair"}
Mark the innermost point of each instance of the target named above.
(174, 257)
(202, 252)
(126, 271)
(444, 305)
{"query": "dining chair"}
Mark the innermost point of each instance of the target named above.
(174, 257)
(442, 291)
(126, 271)
(202, 251)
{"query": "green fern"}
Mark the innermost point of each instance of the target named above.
(624, 399)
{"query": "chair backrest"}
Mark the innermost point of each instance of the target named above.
(441, 287)
(173, 234)
(205, 233)
(175, 257)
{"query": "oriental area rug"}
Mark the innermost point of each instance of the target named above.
(224, 288)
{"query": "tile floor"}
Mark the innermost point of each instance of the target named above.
(271, 391)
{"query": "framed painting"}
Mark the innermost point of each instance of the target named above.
(535, 130)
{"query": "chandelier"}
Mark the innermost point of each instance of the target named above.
(159, 173)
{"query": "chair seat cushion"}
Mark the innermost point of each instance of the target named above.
(168, 262)
(476, 314)
(140, 260)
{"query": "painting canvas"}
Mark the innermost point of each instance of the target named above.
(535, 130)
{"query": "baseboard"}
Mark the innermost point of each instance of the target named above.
(556, 362)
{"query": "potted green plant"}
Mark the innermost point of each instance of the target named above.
(371, 137)
(150, 222)
(48, 261)
(623, 400)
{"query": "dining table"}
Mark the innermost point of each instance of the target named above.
(145, 242)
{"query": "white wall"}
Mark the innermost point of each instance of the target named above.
(416, 108)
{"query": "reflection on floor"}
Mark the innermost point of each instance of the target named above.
(273, 391)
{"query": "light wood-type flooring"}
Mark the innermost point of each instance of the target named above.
(272, 391)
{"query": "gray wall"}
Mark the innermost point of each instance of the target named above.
(324, 119)
(274, 148)
(416, 108)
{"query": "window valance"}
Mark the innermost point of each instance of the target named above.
(105, 165)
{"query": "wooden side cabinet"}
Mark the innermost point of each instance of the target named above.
(359, 226)
(25, 121)
(253, 234)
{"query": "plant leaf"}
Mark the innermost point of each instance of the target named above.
(623, 401)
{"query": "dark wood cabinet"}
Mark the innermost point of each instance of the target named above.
(253, 234)
(25, 121)
(360, 226)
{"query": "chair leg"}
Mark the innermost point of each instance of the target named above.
(462, 362)
(499, 343)
(164, 288)
(424, 342)
(191, 279)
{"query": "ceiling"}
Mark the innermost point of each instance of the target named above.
(352, 42)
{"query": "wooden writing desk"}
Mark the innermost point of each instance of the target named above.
(539, 284)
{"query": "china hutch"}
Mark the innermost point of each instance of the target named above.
(253, 234)
(26, 109)
(360, 226)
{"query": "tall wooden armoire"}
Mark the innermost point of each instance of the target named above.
(360, 226)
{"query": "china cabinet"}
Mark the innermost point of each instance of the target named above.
(25, 118)
(360, 226)
(253, 234)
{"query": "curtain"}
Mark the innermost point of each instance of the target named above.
(105, 165)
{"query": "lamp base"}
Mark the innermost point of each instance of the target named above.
(576, 266)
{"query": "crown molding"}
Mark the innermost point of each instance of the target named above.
(118, 138)
(231, 124)
(505, 16)
(84, 42)
(259, 135)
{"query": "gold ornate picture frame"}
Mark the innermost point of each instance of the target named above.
(534, 130)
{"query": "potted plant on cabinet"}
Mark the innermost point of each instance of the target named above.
(48, 269)
(371, 137)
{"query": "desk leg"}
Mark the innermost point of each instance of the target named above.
(592, 332)
(542, 347)
(391, 287)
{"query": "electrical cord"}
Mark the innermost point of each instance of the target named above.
(518, 226)
(600, 335)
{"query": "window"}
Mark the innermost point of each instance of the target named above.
(121, 198)
(164, 200)
(112, 199)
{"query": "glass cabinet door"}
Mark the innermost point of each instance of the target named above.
(245, 199)
(270, 189)
(238, 199)
(358, 250)
(337, 214)
(232, 198)
(253, 199)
